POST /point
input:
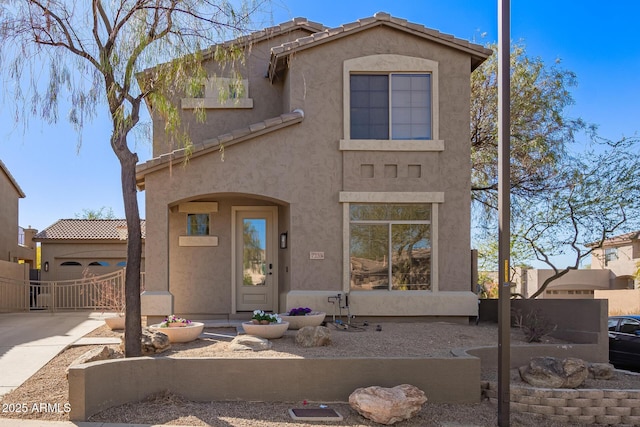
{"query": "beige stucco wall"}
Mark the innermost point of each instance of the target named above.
(444, 380)
(621, 301)
(583, 280)
(8, 218)
(301, 170)
(84, 253)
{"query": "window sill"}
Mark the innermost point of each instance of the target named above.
(198, 241)
(391, 145)
(212, 103)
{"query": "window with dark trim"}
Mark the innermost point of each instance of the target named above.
(390, 246)
(390, 106)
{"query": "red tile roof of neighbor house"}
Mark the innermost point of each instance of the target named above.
(622, 238)
(619, 239)
(87, 229)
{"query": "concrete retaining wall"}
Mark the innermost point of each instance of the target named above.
(96, 386)
(584, 406)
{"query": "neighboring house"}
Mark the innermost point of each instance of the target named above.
(346, 171)
(621, 255)
(613, 267)
(70, 246)
(16, 245)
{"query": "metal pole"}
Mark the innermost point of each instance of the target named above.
(504, 210)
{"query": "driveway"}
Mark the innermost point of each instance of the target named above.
(29, 340)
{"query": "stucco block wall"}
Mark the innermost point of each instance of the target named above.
(8, 218)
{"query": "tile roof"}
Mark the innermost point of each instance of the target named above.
(12, 180)
(278, 53)
(622, 238)
(86, 229)
(213, 144)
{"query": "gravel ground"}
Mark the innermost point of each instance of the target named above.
(49, 385)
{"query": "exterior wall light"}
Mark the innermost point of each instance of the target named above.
(46, 266)
(283, 241)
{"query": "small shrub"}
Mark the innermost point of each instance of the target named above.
(533, 324)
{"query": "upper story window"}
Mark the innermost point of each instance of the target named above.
(392, 106)
(388, 98)
(610, 254)
(220, 92)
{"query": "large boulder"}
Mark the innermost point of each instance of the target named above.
(313, 336)
(553, 372)
(388, 405)
(249, 343)
(152, 342)
(601, 371)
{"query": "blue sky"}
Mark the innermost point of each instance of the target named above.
(596, 40)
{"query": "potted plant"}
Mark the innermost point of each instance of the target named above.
(300, 317)
(179, 329)
(265, 325)
(174, 321)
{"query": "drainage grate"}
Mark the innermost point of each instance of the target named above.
(315, 414)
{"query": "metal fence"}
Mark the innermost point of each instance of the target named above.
(105, 293)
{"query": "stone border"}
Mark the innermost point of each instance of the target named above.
(585, 406)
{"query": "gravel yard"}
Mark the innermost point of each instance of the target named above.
(436, 339)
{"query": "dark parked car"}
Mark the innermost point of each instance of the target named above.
(624, 341)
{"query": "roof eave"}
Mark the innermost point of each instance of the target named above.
(279, 54)
(212, 145)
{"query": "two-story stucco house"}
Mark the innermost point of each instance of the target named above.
(621, 255)
(346, 170)
(16, 243)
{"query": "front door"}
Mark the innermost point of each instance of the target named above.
(255, 277)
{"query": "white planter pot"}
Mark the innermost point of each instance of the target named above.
(314, 318)
(270, 331)
(181, 334)
(115, 322)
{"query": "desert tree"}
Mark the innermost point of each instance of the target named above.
(595, 196)
(119, 54)
(565, 193)
(102, 213)
(541, 131)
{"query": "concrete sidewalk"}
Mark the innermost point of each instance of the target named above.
(6, 422)
(28, 341)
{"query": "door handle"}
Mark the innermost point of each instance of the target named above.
(270, 268)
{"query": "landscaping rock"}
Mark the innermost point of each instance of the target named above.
(98, 353)
(553, 372)
(249, 343)
(152, 342)
(313, 336)
(601, 371)
(388, 405)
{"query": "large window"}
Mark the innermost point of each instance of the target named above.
(390, 106)
(390, 246)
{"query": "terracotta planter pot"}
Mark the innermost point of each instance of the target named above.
(186, 333)
(270, 331)
(315, 318)
(177, 324)
(115, 322)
